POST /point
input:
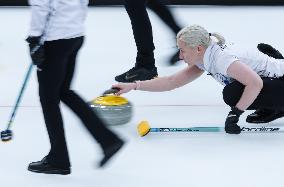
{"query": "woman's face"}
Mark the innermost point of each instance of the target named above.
(191, 55)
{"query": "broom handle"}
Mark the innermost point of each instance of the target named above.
(20, 96)
(219, 129)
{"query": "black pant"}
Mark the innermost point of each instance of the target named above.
(54, 86)
(159, 7)
(142, 29)
(270, 97)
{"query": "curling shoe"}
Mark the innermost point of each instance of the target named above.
(110, 151)
(44, 167)
(264, 116)
(174, 58)
(137, 74)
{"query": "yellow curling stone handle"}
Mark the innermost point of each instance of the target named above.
(110, 100)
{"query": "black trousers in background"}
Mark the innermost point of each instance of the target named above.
(270, 97)
(54, 86)
(142, 28)
(159, 7)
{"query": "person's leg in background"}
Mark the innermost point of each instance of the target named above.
(50, 79)
(109, 141)
(142, 30)
(54, 85)
(159, 7)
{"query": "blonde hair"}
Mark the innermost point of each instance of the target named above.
(195, 35)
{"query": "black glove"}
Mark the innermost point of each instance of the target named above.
(111, 91)
(36, 49)
(269, 50)
(232, 119)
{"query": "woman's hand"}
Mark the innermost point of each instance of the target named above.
(124, 87)
(231, 124)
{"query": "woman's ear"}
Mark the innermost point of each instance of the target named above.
(200, 48)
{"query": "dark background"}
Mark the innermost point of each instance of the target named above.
(170, 2)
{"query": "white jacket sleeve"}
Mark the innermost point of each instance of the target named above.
(40, 10)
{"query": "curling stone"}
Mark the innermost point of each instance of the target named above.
(112, 109)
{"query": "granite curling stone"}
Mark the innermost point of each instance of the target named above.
(112, 109)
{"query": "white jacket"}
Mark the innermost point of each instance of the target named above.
(217, 60)
(58, 19)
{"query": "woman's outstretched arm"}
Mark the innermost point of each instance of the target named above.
(161, 84)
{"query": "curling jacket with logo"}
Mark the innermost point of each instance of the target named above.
(58, 19)
(218, 58)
